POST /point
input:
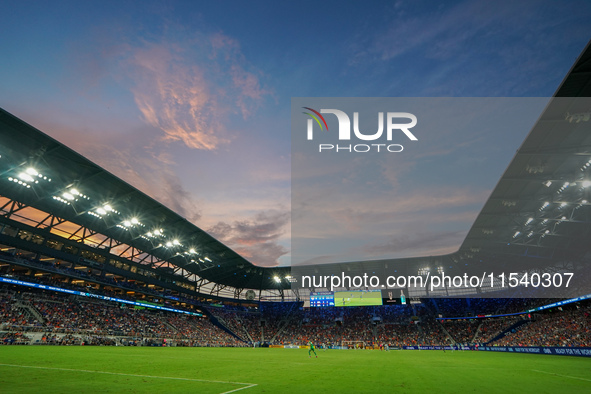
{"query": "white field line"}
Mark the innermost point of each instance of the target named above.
(248, 385)
(241, 388)
(564, 376)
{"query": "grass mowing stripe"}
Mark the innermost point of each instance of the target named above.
(137, 376)
(564, 376)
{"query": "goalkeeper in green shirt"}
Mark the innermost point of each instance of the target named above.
(312, 349)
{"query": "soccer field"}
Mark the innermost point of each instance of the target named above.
(52, 369)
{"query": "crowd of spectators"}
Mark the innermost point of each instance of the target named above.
(73, 320)
(14, 338)
(462, 331)
(399, 334)
(561, 328)
(490, 328)
(242, 322)
(67, 320)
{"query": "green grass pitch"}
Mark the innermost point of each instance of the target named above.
(52, 369)
(347, 298)
(357, 302)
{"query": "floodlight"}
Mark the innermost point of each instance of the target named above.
(25, 177)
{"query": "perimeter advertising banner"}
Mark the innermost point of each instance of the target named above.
(559, 351)
(403, 195)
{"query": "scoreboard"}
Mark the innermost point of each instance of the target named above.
(322, 298)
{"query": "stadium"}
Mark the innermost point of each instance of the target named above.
(105, 289)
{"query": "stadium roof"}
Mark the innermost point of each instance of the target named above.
(541, 207)
(43, 173)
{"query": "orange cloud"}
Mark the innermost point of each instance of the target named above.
(188, 89)
(175, 98)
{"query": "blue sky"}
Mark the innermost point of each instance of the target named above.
(190, 101)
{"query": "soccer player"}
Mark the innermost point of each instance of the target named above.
(312, 349)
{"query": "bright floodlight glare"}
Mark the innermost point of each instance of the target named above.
(168, 244)
(68, 196)
(32, 171)
(176, 242)
(134, 221)
(25, 177)
(107, 208)
(127, 223)
(586, 183)
(277, 279)
(101, 211)
(192, 251)
(149, 234)
(74, 192)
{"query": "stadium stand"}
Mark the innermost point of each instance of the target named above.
(52, 234)
(43, 317)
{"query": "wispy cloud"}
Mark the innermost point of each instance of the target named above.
(175, 97)
(474, 47)
(340, 217)
(353, 226)
(245, 82)
(191, 99)
(256, 238)
(431, 243)
(188, 87)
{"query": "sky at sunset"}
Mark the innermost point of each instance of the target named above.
(189, 101)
